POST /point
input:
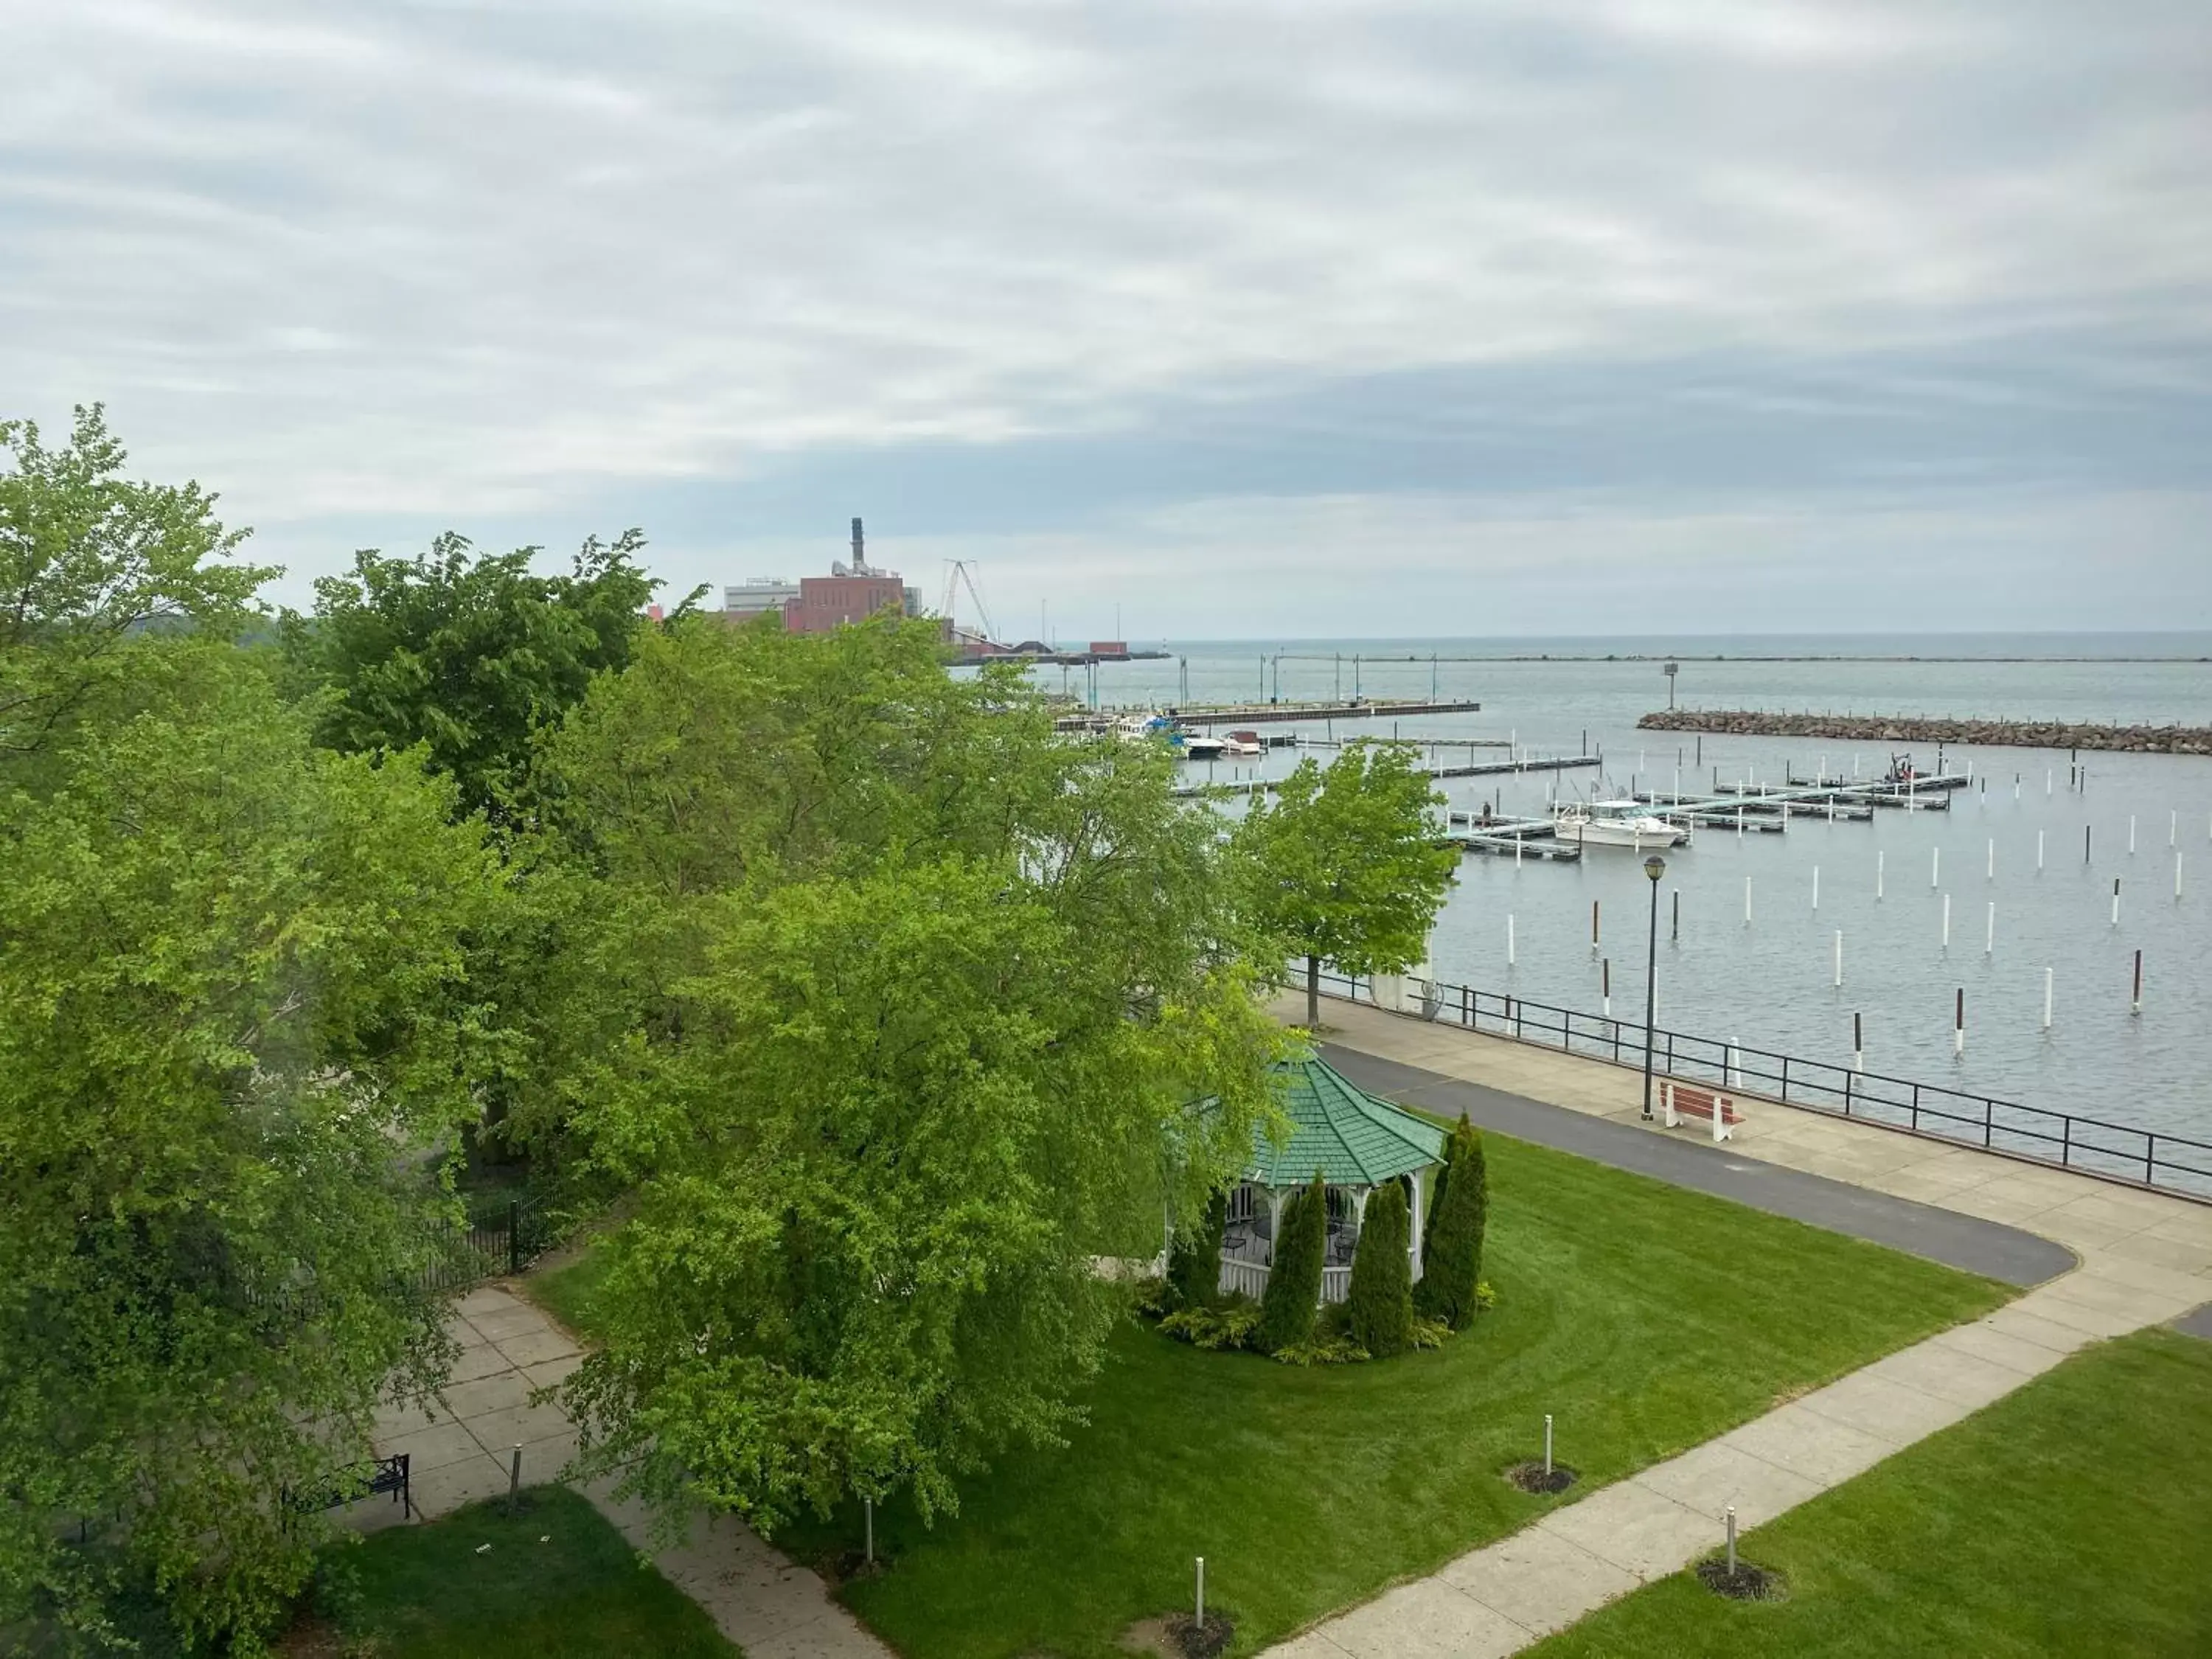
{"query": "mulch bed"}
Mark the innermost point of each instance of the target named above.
(1196, 1641)
(1746, 1583)
(1530, 1476)
(846, 1565)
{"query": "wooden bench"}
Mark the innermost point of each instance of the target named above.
(1683, 1100)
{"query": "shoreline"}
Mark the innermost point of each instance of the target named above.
(1880, 728)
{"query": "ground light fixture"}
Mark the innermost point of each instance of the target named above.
(1655, 866)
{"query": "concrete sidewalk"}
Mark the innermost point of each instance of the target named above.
(2143, 1257)
(763, 1602)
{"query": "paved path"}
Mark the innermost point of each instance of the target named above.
(767, 1606)
(2143, 1258)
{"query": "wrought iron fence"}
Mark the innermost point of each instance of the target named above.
(500, 1236)
(2144, 1158)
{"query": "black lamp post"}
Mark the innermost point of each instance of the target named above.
(1655, 866)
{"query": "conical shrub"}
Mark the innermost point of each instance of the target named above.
(1194, 1263)
(1381, 1296)
(1286, 1313)
(1451, 1252)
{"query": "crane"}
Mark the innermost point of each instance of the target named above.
(959, 573)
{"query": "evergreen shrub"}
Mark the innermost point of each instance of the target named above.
(1287, 1315)
(1194, 1260)
(1451, 1249)
(1382, 1298)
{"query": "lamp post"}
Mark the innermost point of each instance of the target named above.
(1655, 866)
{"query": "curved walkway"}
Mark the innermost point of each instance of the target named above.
(2143, 1258)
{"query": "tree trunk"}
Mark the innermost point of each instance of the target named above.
(1313, 993)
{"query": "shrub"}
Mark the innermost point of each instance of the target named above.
(1229, 1326)
(1323, 1351)
(1286, 1316)
(1451, 1253)
(1194, 1260)
(1382, 1298)
(1152, 1297)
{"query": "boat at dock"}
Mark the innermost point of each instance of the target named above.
(1615, 824)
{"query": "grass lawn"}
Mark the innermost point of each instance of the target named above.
(566, 1291)
(558, 1582)
(1645, 1318)
(2072, 1518)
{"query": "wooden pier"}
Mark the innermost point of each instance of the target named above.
(1266, 713)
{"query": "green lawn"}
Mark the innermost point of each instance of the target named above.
(1645, 1318)
(2072, 1518)
(566, 1291)
(558, 1582)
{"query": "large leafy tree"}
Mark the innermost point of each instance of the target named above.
(468, 655)
(917, 995)
(1344, 864)
(228, 964)
(91, 563)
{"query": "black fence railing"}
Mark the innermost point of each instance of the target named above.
(501, 1237)
(2118, 1152)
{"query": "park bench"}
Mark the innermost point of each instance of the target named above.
(1683, 1100)
(373, 1480)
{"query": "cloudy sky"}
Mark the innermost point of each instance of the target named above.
(1371, 318)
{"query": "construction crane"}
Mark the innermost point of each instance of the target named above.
(959, 573)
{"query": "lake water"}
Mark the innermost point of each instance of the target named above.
(1769, 981)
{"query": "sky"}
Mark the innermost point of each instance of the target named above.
(1199, 318)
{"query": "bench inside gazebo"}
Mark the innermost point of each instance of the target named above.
(1357, 1143)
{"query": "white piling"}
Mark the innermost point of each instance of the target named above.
(2046, 780)
(1747, 901)
(1935, 868)
(1992, 873)
(1839, 955)
(1548, 1445)
(2115, 900)
(1816, 887)
(2131, 835)
(2173, 828)
(2177, 872)
(1517, 840)
(1958, 1026)
(1947, 921)
(1879, 858)
(1509, 941)
(1990, 931)
(2046, 999)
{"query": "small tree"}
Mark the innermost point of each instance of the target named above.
(1451, 1250)
(1381, 1296)
(1195, 1259)
(1345, 864)
(1287, 1315)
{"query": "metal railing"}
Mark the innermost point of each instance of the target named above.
(2116, 1152)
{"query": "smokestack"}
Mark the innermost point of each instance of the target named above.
(860, 558)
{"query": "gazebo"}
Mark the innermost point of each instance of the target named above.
(1357, 1143)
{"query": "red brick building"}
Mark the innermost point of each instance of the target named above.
(826, 602)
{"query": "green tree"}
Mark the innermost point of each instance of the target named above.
(1194, 1257)
(1451, 1250)
(468, 655)
(1344, 864)
(910, 995)
(1381, 1298)
(90, 564)
(1294, 1277)
(228, 1064)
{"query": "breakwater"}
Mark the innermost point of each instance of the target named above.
(1897, 728)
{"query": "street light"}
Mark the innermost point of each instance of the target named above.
(1655, 866)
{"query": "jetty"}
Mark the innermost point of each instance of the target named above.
(1897, 728)
(1265, 713)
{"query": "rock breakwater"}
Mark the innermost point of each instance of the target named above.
(1881, 728)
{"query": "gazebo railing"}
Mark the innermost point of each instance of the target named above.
(1251, 1279)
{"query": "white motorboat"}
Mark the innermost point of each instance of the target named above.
(1244, 744)
(1197, 746)
(1615, 824)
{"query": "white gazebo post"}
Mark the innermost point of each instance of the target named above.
(1274, 1221)
(1414, 1181)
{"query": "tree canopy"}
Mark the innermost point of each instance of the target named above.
(228, 1056)
(90, 562)
(1344, 864)
(917, 996)
(471, 655)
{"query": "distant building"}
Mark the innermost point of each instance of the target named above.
(748, 600)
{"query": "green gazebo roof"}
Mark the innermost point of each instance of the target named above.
(1350, 1137)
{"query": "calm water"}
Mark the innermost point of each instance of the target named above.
(1769, 981)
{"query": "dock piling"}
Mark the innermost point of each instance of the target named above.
(1958, 1026)
(2046, 999)
(2039, 851)
(1747, 901)
(1935, 868)
(1839, 956)
(1990, 931)
(1879, 858)
(2115, 900)
(1816, 887)
(1675, 936)
(2135, 1003)
(1859, 1043)
(1947, 921)
(1509, 941)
